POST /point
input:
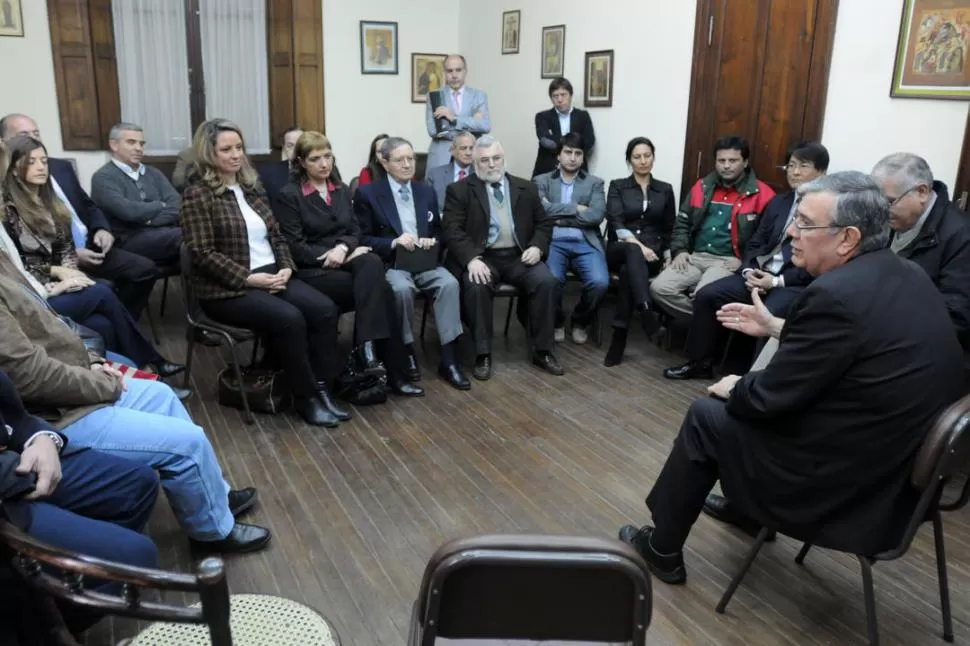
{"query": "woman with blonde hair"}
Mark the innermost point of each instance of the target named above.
(38, 227)
(243, 270)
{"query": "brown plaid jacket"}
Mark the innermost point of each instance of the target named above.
(214, 230)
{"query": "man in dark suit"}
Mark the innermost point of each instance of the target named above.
(397, 213)
(767, 266)
(495, 229)
(276, 175)
(560, 120)
(133, 275)
(822, 441)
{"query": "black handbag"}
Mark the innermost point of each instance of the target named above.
(265, 390)
(360, 389)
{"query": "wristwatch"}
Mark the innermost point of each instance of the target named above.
(55, 438)
(775, 282)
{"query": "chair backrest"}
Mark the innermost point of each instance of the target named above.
(192, 308)
(354, 183)
(34, 561)
(534, 587)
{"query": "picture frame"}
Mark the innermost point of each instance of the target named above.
(553, 52)
(598, 79)
(427, 75)
(378, 47)
(511, 23)
(932, 51)
(11, 19)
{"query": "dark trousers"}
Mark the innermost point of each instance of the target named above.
(298, 325)
(159, 244)
(133, 277)
(705, 333)
(538, 283)
(627, 260)
(360, 287)
(100, 309)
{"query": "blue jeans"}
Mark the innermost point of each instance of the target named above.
(589, 263)
(148, 424)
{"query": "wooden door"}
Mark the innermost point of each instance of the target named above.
(761, 71)
(961, 189)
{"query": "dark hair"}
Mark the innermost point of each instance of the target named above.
(571, 140)
(810, 151)
(636, 141)
(733, 142)
(560, 84)
(39, 208)
(373, 163)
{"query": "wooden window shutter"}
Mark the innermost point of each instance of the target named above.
(295, 44)
(85, 71)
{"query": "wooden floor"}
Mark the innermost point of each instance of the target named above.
(356, 512)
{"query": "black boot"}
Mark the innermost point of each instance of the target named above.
(312, 410)
(614, 356)
(330, 405)
(370, 365)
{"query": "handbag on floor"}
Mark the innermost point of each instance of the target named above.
(360, 389)
(265, 390)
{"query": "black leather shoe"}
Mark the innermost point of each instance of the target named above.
(405, 388)
(719, 508)
(483, 367)
(370, 365)
(242, 500)
(412, 372)
(547, 362)
(691, 370)
(182, 393)
(330, 405)
(164, 368)
(242, 538)
(312, 410)
(454, 376)
(669, 568)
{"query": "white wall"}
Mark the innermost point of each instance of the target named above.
(652, 40)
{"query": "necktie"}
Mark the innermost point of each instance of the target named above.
(497, 192)
(405, 194)
(461, 174)
(457, 97)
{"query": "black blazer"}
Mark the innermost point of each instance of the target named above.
(464, 223)
(624, 210)
(379, 221)
(63, 173)
(547, 126)
(311, 227)
(274, 176)
(833, 424)
(771, 227)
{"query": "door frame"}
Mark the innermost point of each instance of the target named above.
(961, 187)
(697, 139)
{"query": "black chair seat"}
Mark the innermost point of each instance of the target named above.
(237, 333)
(504, 289)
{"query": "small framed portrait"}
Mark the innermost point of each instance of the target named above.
(553, 51)
(378, 47)
(598, 85)
(427, 75)
(510, 31)
(932, 50)
(11, 20)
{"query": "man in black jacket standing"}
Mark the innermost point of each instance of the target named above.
(825, 435)
(558, 121)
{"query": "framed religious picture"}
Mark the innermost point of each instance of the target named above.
(378, 47)
(510, 31)
(553, 51)
(598, 85)
(931, 54)
(427, 75)
(11, 20)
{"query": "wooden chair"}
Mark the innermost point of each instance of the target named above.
(164, 273)
(533, 587)
(944, 454)
(61, 574)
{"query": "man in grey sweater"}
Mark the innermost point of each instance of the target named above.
(140, 202)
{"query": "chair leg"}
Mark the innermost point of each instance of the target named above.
(941, 575)
(161, 309)
(736, 581)
(508, 316)
(424, 318)
(872, 625)
(239, 377)
(802, 552)
(152, 324)
(190, 351)
(252, 358)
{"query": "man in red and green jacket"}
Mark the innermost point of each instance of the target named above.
(712, 228)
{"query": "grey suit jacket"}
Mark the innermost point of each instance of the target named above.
(588, 191)
(439, 177)
(473, 101)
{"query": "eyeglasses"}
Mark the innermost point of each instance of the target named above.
(797, 166)
(802, 224)
(893, 200)
(402, 160)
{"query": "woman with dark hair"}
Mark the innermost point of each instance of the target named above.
(373, 171)
(640, 210)
(318, 222)
(39, 226)
(243, 271)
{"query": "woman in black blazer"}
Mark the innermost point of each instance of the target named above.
(641, 211)
(317, 219)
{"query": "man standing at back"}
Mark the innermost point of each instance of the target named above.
(454, 108)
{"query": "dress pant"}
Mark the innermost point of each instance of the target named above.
(589, 263)
(445, 294)
(360, 287)
(705, 332)
(298, 325)
(133, 277)
(627, 260)
(539, 285)
(159, 244)
(100, 309)
(674, 290)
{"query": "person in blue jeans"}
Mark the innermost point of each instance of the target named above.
(576, 200)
